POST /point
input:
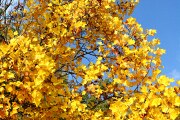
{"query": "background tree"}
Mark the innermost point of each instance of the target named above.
(84, 59)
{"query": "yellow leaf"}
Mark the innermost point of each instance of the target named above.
(81, 107)
(161, 87)
(131, 101)
(164, 108)
(37, 96)
(99, 113)
(103, 67)
(5, 65)
(4, 48)
(131, 21)
(144, 89)
(39, 80)
(107, 6)
(173, 113)
(169, 92)
(117, 80)
(178, 82)
(84, 92)
(91, 87)
(152, 32)
(50, 4)
(164, 80)
(116, 19)
(160, 51)
(18, 83)
(142, 98)
(9, 88)
(2, 79)
(14, 111)
(118, 109)
(1, 106)
(80, 24)
(177, 101)
(75, 104)
(155, 42)
(131, 42)
(99, 43)
(156, 72)
(1, 89)
(15, 33)
(155, 102)
(10, 75)
(2, 96)
(15, 107)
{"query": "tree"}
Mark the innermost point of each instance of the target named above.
(84, 59)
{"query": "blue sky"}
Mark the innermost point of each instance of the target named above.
(164, 16)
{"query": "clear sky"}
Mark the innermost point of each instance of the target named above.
(164, 16)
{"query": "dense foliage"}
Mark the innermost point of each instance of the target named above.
(83, 59)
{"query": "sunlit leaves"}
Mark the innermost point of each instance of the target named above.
(37, 96)
(151, 32)
(164, 80)
(119, 109)
(160, 51)
(173, 113)
(131, 42)
(177, 101)
(131, 21)
(155, 102)
(10, 75)
(15, 33)
(144, 89)
(76, 103)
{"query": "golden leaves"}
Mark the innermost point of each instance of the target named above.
(131, 21)
(151, 32)
(95, 71)
(37, 96)
(177, 101)
(131, 42)
(15, 108)
(76, 105)
(98, 114)
(10, 75)
(9, 88)
(107, 7)
(173, 113)
(119, 109)
(155, 42)
(15, 33)
(117, 80)
(164, 80)
(160, 51)
(144, 89)
(169, 92)
(155, 102)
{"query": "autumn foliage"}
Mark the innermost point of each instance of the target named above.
(83, 60)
